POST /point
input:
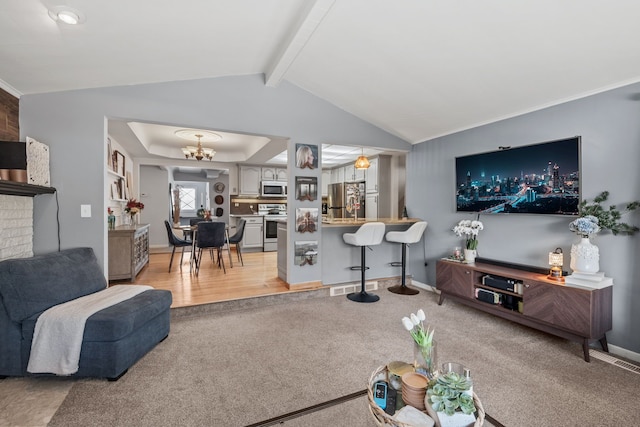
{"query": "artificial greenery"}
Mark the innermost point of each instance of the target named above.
(609, 218)
(449, 393)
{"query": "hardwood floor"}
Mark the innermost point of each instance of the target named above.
(258, 277)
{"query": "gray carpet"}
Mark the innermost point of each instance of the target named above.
(240, 366)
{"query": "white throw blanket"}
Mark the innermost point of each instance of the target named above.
(57, 338)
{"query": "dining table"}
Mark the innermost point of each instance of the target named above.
(189, 232)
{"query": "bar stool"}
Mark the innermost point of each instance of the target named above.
(369, 234)
(412, 235)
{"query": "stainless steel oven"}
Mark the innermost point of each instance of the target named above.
(270, 232)
(271, 214)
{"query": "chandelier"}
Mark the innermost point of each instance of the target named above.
(362, 162)
(198, 152)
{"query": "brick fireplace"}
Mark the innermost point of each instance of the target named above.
(16, 227)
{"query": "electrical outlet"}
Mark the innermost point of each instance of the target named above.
(237, 204)
(250, 206)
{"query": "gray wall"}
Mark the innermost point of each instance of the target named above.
(154, 193)
(609, 124)
(74, 125)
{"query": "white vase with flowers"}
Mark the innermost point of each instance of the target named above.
(470, 230)
(585, 256)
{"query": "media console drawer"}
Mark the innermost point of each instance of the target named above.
(578, 314)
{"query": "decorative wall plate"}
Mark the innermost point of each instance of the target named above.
(219, 199)
(218, 187)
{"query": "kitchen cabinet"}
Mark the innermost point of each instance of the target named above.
(325, 181)
(372, 176)
(337, 175)
(371, 206)
(233, 180)
(274, 174)
(252, 232)
(378, 183)
(128, 251)
(353, 174)
(249, 177)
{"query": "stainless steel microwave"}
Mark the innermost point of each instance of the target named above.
(273, 189)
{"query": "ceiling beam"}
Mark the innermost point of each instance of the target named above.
(299, 38)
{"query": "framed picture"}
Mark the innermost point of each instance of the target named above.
(306, 156)
(306, 188)
(306, 252)
(119, 163)
(306, 220)
(109, 155)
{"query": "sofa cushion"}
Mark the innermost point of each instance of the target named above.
(119, 320)
(32, 285)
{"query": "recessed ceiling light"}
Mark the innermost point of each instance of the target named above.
(66, 15)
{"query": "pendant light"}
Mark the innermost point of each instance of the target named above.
(198, 152)
(362, 162)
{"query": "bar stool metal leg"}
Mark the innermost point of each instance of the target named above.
(403, 289)
(363, 296)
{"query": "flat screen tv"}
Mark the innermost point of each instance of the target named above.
(534, 179)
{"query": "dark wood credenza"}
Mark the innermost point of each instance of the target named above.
(575, 313)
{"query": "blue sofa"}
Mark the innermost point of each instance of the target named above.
(114, 338)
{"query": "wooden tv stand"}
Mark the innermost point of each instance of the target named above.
(575, 313)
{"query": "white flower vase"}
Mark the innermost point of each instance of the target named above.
(585, 257)
(470, 255)
(425, 358)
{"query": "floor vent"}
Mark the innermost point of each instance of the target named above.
(335, 291)
(614, 361)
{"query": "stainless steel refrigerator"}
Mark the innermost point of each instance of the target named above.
(346, 200)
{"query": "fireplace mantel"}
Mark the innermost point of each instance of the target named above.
(11, 188)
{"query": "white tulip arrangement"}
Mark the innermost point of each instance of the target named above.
(415, 325)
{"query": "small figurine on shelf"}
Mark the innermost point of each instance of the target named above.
(111, 219)
(405, 215)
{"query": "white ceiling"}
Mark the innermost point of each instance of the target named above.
(150, 140)
(418, 69)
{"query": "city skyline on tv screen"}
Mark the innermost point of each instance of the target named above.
(542, 178)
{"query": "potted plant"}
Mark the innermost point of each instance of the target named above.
(451, 397)
(470, 230)
(585, 256)
(609, 218)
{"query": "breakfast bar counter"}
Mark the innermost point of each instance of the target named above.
(348, 222)
(338, 257)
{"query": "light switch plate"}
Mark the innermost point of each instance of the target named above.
(85, 211)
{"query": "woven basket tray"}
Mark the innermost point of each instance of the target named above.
(383, 419)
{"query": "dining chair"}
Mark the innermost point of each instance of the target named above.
(210, 235)
(237, 238)
(176, 242)
(196, 221)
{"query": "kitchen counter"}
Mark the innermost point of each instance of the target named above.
(349, 222)
(336, 257)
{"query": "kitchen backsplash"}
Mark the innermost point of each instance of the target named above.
(249, 206)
